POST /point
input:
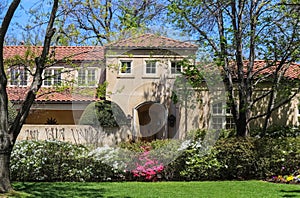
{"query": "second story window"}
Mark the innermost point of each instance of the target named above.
(176, 67)
(18, 76)
(52, 77)
(150, 67)
(87, 77)
(125, 67)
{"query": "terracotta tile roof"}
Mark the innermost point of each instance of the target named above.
(49, 95)
(151, 41)
(74, 53)
(293, 71)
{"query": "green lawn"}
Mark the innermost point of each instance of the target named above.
(222, 189)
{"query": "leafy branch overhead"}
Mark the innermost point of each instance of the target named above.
(235, 35)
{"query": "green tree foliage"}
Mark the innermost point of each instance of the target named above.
(235, 34)
(104, 114)
(103, 21)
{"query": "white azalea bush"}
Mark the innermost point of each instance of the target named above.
(56, 161)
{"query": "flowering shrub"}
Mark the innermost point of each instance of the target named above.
(56, 161)
(146, 168)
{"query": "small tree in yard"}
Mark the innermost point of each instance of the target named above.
(10, 132)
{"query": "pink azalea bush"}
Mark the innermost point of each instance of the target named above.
(147, 169)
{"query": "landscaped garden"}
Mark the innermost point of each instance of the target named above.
(234, 167)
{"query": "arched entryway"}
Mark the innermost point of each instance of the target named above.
(151, 121)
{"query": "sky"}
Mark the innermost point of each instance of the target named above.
(21, 18)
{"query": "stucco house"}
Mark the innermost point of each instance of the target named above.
(143, 75)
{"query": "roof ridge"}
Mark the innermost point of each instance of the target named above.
(146, 36)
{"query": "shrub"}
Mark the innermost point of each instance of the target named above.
(237, 158)
(55, 161)
(278, 132)
(229, 158)
(147, 168)
(278, 156)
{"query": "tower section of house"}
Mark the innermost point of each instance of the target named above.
(140, 72)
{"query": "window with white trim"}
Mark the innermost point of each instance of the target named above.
(218, 116)
(221, 117)
(87, 77)
(230, 124)
(125, 67)
(52, 77)
(18, 76)
(176, 67)
(150, 67)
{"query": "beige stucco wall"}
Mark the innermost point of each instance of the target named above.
(287, 115)
(131, 90)
(78, 134)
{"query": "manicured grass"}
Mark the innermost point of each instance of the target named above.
(238, 189)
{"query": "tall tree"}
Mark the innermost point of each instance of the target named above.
(237, 32)
(102, 21)
(10, 132)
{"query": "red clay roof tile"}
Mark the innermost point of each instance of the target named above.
(74, 53)
(49, 95)
(151, 41)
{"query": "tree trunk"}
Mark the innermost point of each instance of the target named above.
(5, 185)
(241, 128)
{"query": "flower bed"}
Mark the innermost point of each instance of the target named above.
(286, 179)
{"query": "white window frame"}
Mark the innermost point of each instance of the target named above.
(87, 81)
(121, 68)
(218, 113)
(176, 72)
(221, 112)
(16, 79)
(55, 79)
(150, 67)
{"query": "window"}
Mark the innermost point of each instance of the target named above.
(87, 77)
(91, 78)
(18, 76)
(218, 117)
(221, 117)
(176, 67)
(125, 67)
(52, 77)
(217, 122)
(150, 67)
(218, 109)
(230, 124)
